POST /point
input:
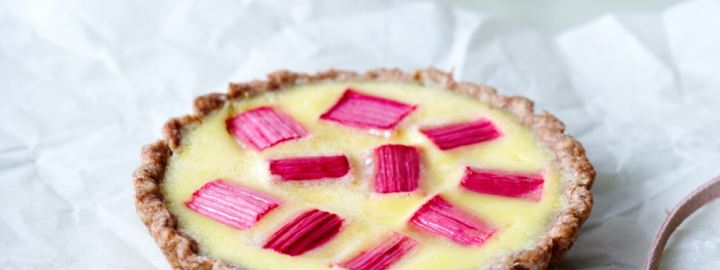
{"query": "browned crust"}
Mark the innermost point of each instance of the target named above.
(182, 252)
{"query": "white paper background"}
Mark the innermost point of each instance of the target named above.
(83, 84)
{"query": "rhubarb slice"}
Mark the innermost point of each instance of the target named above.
(367, 112)
(309, 230)
(264, 127)
(461, 134)
(308, 168)
(507, 184)
(439, 217)
(397, 168)
(382, 256)
(233, 205)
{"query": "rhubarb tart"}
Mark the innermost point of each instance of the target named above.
(380, 170)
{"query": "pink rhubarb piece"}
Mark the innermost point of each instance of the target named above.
(439, 217)
(233, 205)
(508, 184)
(264, 127)
(457, 135)
(308, 168)
(381, 256)
(309, 230)
(368, 112)
(397, 168)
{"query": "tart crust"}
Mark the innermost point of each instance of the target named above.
(182, 251)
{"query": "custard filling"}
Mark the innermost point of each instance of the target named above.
(209, 152)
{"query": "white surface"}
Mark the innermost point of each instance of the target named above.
(552, 16)
(84, 84)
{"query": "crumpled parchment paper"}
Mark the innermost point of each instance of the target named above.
(83, 84)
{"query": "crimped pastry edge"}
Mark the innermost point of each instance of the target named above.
(182, 251)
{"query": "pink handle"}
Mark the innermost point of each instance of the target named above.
(687, 206)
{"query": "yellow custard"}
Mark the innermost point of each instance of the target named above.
(209, 152)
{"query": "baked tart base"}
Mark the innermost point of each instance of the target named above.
(182, 250)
